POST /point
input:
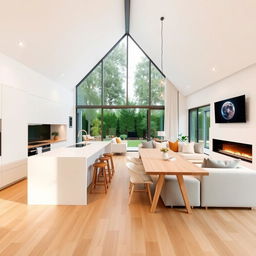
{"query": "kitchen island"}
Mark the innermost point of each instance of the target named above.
(61, 176)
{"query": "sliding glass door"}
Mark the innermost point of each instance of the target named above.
(199, 125)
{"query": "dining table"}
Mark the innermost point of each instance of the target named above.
(155, 164)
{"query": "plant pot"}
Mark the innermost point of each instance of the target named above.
(165, 155)
(56, 137)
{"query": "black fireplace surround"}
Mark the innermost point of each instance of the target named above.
(234, 149)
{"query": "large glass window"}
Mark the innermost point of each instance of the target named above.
(138, 76)
(122, 96)
(114, 75)
(157, 86)
(127, 123)
(199, 125)
(156, 122)
(90, 121)
(89, 91)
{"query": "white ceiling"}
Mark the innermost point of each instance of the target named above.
(198, 35)
(64, 39)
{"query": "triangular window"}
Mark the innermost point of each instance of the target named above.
(122, 95)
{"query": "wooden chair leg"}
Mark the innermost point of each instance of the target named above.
(149, 193)
(131, 193)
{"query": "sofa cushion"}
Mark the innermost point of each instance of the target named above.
(212, 163)
(188, 148)
(194, 156)
(113, 141)
(174, 146)
(199, 147)
(147, 144)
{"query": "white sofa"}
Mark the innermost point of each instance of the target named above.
(171, 194)
(119, 147)
(229, 187)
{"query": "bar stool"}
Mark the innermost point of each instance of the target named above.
(101, 166)
(112, 162)
(106, 159)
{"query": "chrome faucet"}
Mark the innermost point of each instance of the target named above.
(81, 132)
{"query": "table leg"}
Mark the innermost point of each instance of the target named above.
(159, 186)
(184, 192)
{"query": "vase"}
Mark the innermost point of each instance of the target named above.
(165, 155)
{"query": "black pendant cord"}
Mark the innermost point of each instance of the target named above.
(162, 42)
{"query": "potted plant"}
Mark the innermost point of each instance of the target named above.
(182, 138)
(165, 153)
(55, 135)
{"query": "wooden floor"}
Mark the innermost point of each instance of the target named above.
(108, 226)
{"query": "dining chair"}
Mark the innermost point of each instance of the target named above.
(138, 177)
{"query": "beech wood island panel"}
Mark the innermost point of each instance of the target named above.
(154, 164)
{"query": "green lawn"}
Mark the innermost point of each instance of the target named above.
(134, 143)
(131, 143)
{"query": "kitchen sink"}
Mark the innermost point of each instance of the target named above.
(79, 145)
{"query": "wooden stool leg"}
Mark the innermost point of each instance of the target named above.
(112, 166)
(94, 177)
(109, 172)
(131, 193)
(105, 180)
(149, 193)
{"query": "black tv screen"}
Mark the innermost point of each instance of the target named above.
(39, 132)
(230, 110)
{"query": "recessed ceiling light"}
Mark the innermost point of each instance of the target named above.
(21, 44)
(213, 69)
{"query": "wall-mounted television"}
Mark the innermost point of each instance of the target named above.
(230, 110)
(39, 132)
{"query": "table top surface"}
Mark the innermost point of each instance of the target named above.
(155, 164)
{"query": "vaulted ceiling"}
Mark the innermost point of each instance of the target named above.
(204, 41)
(63, 39)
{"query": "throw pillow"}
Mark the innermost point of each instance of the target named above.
(188, 148)
(147, 144)
(199, 147)
(159, 145)
(118, 140)
(180, 145)
(113, 140)
(174, 146)
(211, 163)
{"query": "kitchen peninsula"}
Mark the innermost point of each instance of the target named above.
(61, 176)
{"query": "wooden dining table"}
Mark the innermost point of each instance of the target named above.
(154, 164)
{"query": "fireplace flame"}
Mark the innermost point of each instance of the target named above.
(236, 151)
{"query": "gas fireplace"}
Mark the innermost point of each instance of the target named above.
(234, 149)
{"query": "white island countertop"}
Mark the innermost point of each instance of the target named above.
(87, 151)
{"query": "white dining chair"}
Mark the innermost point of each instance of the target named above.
(134, 160)
(138, 177)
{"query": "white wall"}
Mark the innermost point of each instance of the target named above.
(28, 97)
(183, 115)
(243, 82)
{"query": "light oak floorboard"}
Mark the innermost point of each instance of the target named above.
(109, 226)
